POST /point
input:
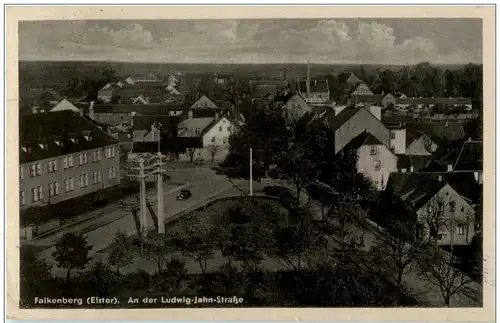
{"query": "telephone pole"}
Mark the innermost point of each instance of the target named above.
(251, 173)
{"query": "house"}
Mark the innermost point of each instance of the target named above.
(351, 122)
(362, 90)
(374, 109)
(441, 212)
(424, 138)
(149, 127)
(375, 160)
(365, 100)
(63, 105)
(221, 79)
(352, 79)
(293, 104)
(115, 114)
(204, 108)
(397, 139)
(314, 91)
(64, 156)
(470, 159)
(388, 100)
(422, 103)
(212, 133)
(150, 78)
(413, 163)
(260, 89)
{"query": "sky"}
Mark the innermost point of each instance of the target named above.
(329, 41)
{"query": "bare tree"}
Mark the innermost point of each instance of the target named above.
(393, 252)
(439, 269)
(436, 217)
(213, 150)
(121, 254)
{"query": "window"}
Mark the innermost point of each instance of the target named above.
(53, 189)
(52, 166)
(96, 177)
(68, 184)
(373, 150)
(70, 161)
(35, 170)
(441, 236)
(376, 182)
(229, 129)
(460, 230)
(111, 172)
(452, 206)
(21, 172)
(393, 135)
(83, 158)
(84, 180)
(462, 209)
(224, 140)
(36, 194)
(65, 162)
(197, 131)
(377, 165)
(220, 128)
(213, 139)
(393, 147)
(22, 199)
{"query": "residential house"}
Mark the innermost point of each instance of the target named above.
(149, 127)
(352, 80)
(115, 114)
(388, 100)
(204, 108)
(375, 160)
(439, 208)
(293, 104)
(314, 91)
(65, 104)
(150, 78)
(424, 138)
(470, 159)
(362, 90)
(351, 122)
(423, 103)
(260, 89)
(397, 139)
(64, 156)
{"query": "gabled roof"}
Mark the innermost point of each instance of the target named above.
(263, 91)
(353, 79)
(144, 109)
(438, 131)
(336, 121)
(62, 126)
(470, 156)
(193, 124)
(365, 138)
(362, 89)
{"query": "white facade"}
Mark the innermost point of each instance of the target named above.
(398, 141)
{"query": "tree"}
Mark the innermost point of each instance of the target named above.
(438, 267)
(35, 275)
(393, 251)
(102, 279)
(72, 252)
(213, 150)
(121, 254)
(175, 272)
(324, 195)
(438, 217)
(195, 240)
(450, 84)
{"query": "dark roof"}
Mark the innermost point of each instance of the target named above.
(414, 188)
(418, 162)
(438, 132)
(395, 119)
(336, 121)
(262, 91)
(365, 138)
(470, 156)
(151, 109)
(47, 128)
(433, 101)
(316, 86)
(142, 122)
(367, 98)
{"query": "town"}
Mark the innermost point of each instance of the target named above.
(361, 187)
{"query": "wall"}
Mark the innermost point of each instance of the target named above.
(366, 164)
(46, 178)
(219, 131)
(296, 107)
(447, 194)
(361, 121)
(421, 147)
(399, 141)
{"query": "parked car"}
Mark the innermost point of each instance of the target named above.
(184, 195)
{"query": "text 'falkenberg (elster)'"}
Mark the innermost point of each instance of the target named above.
(76, 301)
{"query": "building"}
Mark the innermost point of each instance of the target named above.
(65, 105)
(314, 91)
(115, 114)
(362, 90)
(260, 89)
(149, 127)
(397, 139)
(388, 100)
(420, 103)
(64, 156)
(150, 78)
(205, 108)
(351, 122)
(470, 159)
(293, 104)
(437, 204)
(424, 138)
(376, 161)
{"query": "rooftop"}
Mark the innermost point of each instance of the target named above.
(470, 156)
(316, 86)
(47, 135)
(188, 126)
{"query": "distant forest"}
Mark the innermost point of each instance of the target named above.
(76, 79)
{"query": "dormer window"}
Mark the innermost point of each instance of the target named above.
(87, 135)
(24, 148)
(43, 146)
(58, 142)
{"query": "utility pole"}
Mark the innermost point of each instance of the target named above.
(142, 181)
(159, 184)
(251, 173)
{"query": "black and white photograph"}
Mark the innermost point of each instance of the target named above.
(251, 163)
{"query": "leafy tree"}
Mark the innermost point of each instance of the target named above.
(72, 252)
(175, 272)
(230, 279)
(121, 253)
(102, 279)
(35, 275)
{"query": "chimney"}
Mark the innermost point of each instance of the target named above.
(34, 109)
(308, 82)
(469, 139)
(411, 169)
(450, 167)
(440, 177)
(190, 114)
(217, 115)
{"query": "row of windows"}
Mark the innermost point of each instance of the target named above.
(224, 139)
(69, 185)
(36, 168)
